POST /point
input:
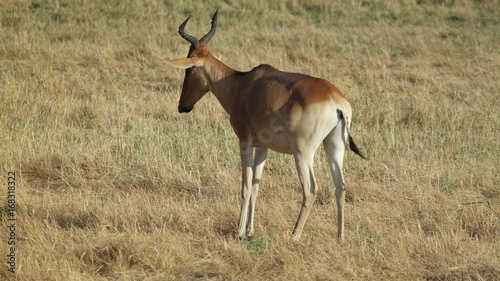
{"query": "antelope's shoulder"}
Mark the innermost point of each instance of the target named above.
(262, 70)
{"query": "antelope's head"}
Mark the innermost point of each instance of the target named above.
(195, 84)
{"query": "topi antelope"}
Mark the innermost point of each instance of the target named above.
(286, 112)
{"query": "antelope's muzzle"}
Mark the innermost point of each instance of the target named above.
(184, 109)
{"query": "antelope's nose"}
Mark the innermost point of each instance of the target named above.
(183, 109)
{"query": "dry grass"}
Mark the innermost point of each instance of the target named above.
(114, 184)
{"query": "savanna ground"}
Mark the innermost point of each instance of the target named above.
(113, 184)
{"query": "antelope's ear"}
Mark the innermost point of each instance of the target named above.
(218, 56)
(182, 63)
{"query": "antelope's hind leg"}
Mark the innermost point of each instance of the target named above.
(304, 164)
(334, 145)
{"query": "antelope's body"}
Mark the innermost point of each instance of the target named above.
(286, 112)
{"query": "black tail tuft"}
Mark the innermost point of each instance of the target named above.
(354, 147)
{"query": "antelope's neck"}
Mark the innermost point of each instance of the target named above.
(223, 83)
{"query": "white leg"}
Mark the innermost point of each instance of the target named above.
(259, 161)
(304, 163)
(246, 152)
(335, 149)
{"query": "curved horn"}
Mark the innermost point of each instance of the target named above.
(189, 38)
(211, 33)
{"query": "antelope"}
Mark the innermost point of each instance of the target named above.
(269, 109)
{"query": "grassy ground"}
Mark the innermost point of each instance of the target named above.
(113, 184)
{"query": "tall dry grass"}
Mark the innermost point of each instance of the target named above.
(114, 184)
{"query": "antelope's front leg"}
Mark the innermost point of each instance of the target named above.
(259, 161)
(246, 152)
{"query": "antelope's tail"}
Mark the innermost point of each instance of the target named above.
(352, 144)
